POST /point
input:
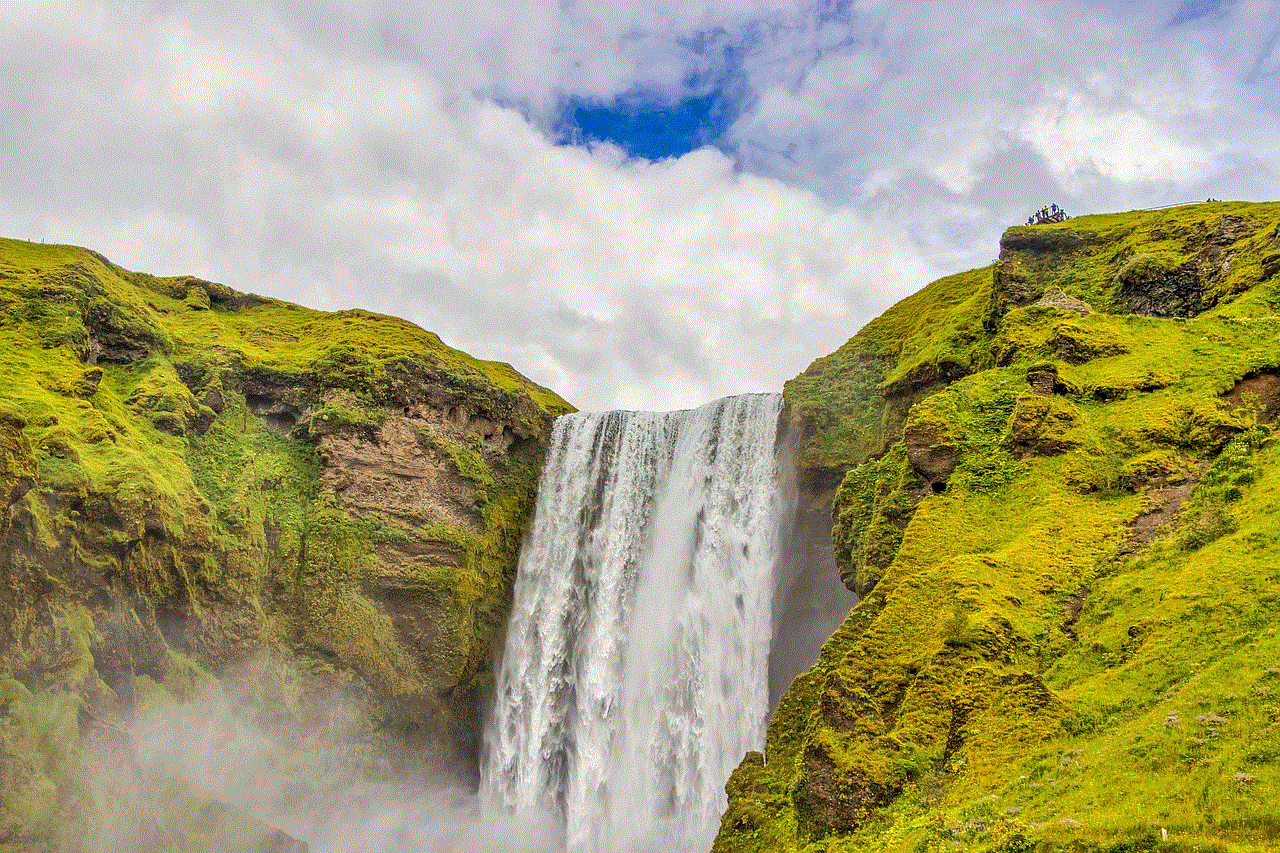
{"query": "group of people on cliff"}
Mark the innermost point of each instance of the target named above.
(1052, 213)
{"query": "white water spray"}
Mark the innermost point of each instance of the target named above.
(635, 672)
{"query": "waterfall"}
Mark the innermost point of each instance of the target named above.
(635, 671)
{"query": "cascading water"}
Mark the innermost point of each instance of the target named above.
(636, 666)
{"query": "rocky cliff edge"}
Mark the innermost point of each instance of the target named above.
(1059, 496)
(314, 516)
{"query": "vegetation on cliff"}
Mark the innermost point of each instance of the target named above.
(1061, 505)
(315, 514)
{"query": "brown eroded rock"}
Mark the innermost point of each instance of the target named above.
(932, 450)
(1055, 298)
(1043, 426)
(1258, 391)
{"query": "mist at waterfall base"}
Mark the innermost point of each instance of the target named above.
(635, 675)
(215, 747)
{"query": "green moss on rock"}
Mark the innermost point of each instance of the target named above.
(872, 507)
(208, 490)
(1073, 642)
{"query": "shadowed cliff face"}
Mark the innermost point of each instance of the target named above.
(316, 516)
(809, 601)
(1058, 497)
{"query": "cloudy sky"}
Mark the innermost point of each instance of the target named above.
(638, 205)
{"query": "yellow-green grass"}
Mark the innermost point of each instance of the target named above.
(946, 330)
(1023, 674)
(153, 547)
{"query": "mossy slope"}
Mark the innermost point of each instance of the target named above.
(1061, 506)
(205, 489)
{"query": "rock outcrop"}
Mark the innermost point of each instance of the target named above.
(1058, 503)
(314, 515)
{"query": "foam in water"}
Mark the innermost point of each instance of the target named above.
(635, 672)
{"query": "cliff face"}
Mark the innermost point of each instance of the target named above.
(316, 516)
(1060, 499)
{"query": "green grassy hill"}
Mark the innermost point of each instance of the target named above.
(316, 515)
(1062, 508)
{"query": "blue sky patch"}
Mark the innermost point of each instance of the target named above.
(645, 127)
(1194, 10)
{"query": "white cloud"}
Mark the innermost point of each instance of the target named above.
(364, 156)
